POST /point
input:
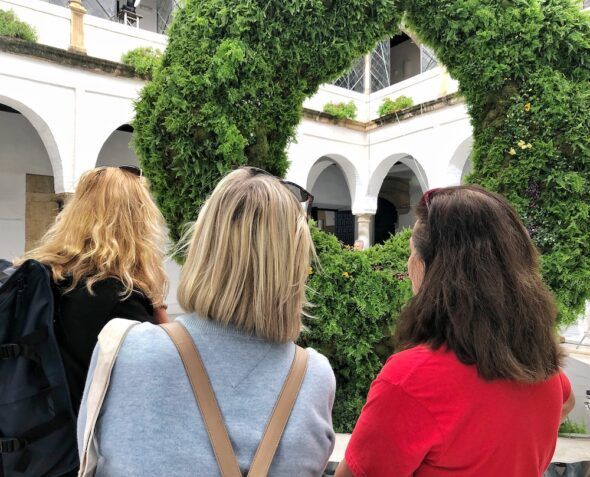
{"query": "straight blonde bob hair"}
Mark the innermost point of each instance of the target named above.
(111, 228)
(248, 257)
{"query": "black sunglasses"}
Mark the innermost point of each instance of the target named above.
(299, 192)
(136, 171)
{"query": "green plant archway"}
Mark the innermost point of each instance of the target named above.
(236, 72)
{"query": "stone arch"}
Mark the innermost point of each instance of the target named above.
(384, 166)
(391, 194)
(96, 133)
(47, 137)
(459, 164)
(346, 167)
(116, 149)
(332, 183)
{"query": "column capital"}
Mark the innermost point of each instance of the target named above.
(364, 217)
(76, 6)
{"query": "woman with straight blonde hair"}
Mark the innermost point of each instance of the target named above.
(105, 252)
(243, 289)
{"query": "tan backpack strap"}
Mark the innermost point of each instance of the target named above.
(280, 415)
(205, 397)
(110, 340)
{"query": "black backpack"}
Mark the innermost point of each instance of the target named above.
(37, 422)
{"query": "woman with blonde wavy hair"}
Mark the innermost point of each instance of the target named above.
(243, 290)
(105, 251)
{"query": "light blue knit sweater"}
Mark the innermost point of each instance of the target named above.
(150, 425)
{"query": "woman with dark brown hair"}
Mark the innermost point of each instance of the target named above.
(476, 388)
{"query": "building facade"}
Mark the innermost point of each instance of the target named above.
(62, 113)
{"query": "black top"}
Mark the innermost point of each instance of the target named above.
(79, 318)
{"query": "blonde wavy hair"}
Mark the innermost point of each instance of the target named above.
(248, 257)
(111, 228)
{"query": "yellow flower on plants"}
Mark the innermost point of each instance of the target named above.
(527, 107)
(529, 146)
(512, 151)
(309, 271)
(345, 275)
(522, 144)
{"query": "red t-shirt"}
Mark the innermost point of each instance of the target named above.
(429, 415)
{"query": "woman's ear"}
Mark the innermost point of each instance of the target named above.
(416, 268)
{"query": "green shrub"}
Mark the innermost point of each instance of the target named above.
(356, 297)
(389, 106)
(232, 84)
(11, 26)
(341, 110)
(570, 427)
(145, 60)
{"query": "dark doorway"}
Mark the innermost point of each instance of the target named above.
(336, 222)
(385, 220)
(345, 226)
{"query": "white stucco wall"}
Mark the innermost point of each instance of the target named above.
(51, 22)
(330, 190)
(103, 38)
(424, 87)
(21, 153)
(74, 111)
(117, 151)
(329, 93)
(430, 144)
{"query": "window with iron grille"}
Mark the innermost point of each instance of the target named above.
(381, 66)
(427, 59)
(355, 78)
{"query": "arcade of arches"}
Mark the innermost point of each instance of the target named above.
(399, 191)
(28, 201)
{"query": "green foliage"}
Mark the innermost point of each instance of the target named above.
(145, 60)
(524, 70)
(11, 26)
(570, 427)
(341, 110)
(356, 298)
(389, 106)
(232, 84)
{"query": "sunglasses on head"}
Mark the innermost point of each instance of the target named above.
(302, 196)
(136, 171)
(427, 197)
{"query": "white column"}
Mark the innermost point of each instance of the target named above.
(364, 223)
(367, 85)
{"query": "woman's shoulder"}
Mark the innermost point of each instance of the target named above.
(416, 363)
(109, 292)
(146, 335)
(319, 372)
(147, 346)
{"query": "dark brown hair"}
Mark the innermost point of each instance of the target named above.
(482, 295)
